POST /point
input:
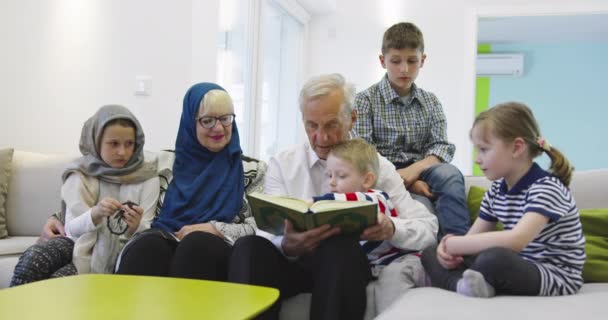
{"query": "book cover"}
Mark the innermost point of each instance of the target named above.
(270, 212)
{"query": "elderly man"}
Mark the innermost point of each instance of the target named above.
(332, 267)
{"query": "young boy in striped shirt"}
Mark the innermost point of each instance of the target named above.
(352, 168)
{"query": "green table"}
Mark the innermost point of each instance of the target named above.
(96, 296)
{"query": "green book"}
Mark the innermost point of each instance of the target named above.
(270, 212)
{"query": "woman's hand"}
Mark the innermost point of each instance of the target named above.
(446, 260)
(383, 230)
(132, 216)
(205, 227)
(53, 228)
(104, 208)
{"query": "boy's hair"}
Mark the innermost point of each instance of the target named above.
(510, 120)
(403, 35)
(217, 100)
(323, 85)
(362, 155)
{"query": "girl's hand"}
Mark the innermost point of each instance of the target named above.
(446, 260)
(205, 227)
(132, 217)
(104, 208)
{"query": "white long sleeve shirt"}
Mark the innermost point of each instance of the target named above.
(298, 172)
(78, 219)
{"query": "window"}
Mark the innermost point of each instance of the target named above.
(261, 69)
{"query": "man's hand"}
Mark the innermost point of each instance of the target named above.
(383, 230)
(53, 228)
(205, 227)
(409, 174)
(422, 188)
(447, 260)
(298, 243)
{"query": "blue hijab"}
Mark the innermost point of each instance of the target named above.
(206, 185)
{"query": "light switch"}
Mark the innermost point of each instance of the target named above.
(142, 85)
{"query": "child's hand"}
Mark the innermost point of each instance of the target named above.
(104, 208)
(132, 216)
(384, 229)
(446, 260)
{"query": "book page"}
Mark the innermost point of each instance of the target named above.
(329, 205)
(292, 203)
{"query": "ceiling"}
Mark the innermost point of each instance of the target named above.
(592, 27)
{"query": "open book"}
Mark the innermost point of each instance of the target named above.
(351, 216)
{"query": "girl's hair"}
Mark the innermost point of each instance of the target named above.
(362, 155)
(120, 121)
(511, 120)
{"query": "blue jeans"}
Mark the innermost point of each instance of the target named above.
(447, 184)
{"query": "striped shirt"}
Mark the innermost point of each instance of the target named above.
(402, 132)
(559, 250)
(378, 252)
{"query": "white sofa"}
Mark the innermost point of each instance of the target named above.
(34, 194)
(589, 190)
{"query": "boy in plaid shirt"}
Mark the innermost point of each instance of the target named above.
(407, 125)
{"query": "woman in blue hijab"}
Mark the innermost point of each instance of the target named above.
(203, 209)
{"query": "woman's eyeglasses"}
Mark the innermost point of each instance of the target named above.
(209, 122)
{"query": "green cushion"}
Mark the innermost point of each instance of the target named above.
(595, 229)
(474, 203)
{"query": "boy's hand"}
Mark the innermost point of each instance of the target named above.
(296, 243)
(383, 230)
(447, 260)
(132, 216)
(422, 188)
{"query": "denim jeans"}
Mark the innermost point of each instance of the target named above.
(447, 185)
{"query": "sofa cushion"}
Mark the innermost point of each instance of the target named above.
(16, 245)
(35, 191)
(6, 156)
(474, 197)
(433, 303)
(595, 229)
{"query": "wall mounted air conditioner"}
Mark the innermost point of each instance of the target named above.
(491, 64)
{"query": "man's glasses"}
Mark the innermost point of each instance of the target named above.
(209, 122)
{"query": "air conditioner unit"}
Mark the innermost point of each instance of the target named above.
(491, 64)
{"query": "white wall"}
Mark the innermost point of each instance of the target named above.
(63, 59)
(348, 41)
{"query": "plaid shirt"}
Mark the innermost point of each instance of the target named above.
(402, 132)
